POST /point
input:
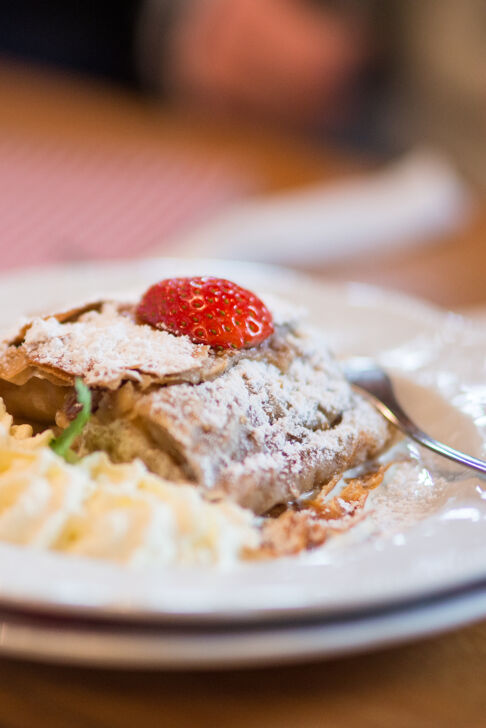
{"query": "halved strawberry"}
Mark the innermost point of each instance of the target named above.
(208, 310)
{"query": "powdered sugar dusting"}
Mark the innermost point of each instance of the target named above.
(262, 432)
(408, 494)
(411, 492)
(105, 347)
(105, 344)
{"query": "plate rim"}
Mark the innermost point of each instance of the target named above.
(291, 643)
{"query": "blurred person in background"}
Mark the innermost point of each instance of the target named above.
(288, 59)
(375, 73)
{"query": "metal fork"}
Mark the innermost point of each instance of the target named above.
(367, 376)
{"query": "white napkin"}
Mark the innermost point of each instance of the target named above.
(412, 200)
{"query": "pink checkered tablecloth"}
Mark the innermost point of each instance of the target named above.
(66, 200)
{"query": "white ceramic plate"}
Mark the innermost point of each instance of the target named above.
(439, 360)
(236, 647)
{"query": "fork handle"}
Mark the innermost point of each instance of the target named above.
(398, 417)
(449, 452)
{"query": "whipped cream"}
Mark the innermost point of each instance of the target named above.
(117, 512)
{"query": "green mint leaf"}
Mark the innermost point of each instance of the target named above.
(62, 444)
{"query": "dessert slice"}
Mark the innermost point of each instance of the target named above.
(258, 425)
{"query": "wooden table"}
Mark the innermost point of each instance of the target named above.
(436, 682)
